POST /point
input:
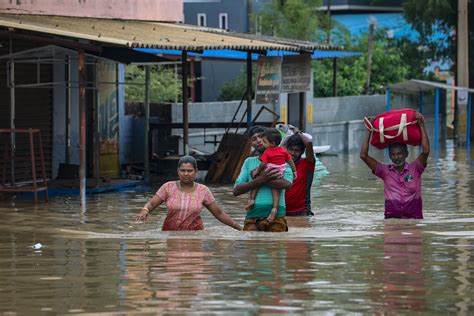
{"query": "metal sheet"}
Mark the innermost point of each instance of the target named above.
(144, 34)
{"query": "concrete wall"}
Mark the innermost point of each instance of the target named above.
(236, 10)
(153, 10)
(343, 109)
(338, 121)
(213, 112)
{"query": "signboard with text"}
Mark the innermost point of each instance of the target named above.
(268, 80)
(296, 73)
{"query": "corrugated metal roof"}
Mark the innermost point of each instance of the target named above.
(144, 34)
(240, 55)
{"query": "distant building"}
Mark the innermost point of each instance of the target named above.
(151, 10)
(224, 14)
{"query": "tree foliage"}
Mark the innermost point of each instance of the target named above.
(295, 19)
(164, 87)
(438, 19)
(235, 89)
(393, 59)
(388, 66)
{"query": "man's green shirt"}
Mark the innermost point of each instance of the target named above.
(263, 201)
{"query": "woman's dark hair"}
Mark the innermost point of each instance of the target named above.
(188, 159)
(295, 140)
(256, 129)
(272, 135)
(398, 145)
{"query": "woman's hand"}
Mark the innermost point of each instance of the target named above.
(142, 216)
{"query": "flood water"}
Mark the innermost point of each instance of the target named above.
(346, 259)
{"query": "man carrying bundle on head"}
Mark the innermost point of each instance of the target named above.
(402, 180)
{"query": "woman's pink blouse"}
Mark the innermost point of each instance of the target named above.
(184, 208)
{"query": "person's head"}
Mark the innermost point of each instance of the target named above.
(271, 138)
(398, 153)
(187, 169)
(255, 136)
(295, 147)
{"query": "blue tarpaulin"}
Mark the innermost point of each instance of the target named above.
(235, 54)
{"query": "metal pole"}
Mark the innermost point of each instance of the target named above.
(249, 89)
(33, 164)
(147, 119)
(12, 123)
(82, 127)
(97, 126)
(387, 99)
(68, 111)
(184, 78)
(436, 128)
(334, 77)
(387, 108)
(468, 129)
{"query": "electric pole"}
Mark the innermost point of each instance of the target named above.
(463, 68)
(369, 55)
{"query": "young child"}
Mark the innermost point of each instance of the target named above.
(274, 157)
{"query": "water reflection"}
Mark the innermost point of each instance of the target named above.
(345, 259)
(399, 275)
(463, 277)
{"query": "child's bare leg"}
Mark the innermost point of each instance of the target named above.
(275, 200)
(251, 200)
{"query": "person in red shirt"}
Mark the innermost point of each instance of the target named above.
(274, 157)
(298, 197)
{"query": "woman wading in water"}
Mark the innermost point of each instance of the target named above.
(184, 200)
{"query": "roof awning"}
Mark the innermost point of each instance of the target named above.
(241, 55)
(145, 34)
(415, 86)
(53, 54)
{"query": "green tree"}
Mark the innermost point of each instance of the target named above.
(387, 67)
(295, 19)
(164, 87)
(436, 21)
(236, 88)
(393, 60)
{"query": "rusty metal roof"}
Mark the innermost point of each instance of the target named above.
(146, 34)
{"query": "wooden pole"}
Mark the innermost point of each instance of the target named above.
(436, 127)
(184, 78)
(12, 123)
(82, 127)
(369, 56)
(462, 67)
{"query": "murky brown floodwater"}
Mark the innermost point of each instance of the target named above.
(346, 259)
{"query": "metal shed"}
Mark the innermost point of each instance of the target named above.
(116, 39)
